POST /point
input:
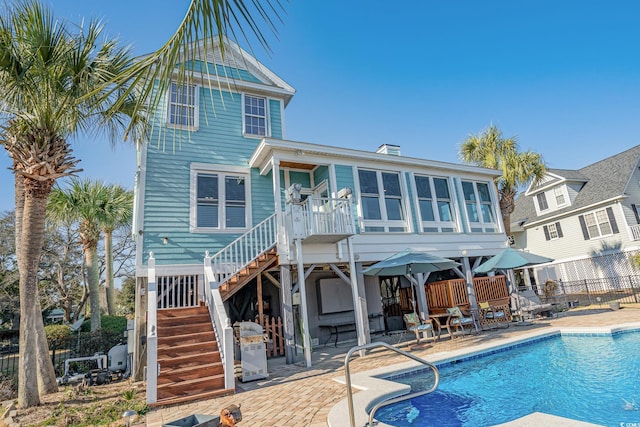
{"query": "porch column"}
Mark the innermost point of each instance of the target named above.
(469, 278)
(419, 282)
(306, 341)
(359, 303)
(287, 314)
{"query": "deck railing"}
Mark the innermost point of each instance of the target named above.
(327, 216)
(490, 288)
(152, 332)
(244, 250)
(221, 324)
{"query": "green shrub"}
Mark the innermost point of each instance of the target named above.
(57, 332)
(109, 324)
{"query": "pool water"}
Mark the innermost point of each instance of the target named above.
(588, 378)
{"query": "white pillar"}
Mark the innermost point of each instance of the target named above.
(303, 304)
(359, 304)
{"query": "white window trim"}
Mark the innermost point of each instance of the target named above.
(267, 129)
(561, 191)
(595, 216)
(480, 224)
(196, 111)
(385, 224)
(538, 207)
(436, 224)
(222, 170)
(553, 231)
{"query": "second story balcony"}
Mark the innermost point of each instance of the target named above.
(320, 219)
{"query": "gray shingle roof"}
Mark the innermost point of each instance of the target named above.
(605, 179)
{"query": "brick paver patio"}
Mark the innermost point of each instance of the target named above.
(296, 396)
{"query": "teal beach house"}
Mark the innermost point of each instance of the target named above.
(236, 223)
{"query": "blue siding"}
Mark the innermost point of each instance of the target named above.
(224, 71)
(320, 174)
(344, 178)
(218, 141)
(275, 114)
(303, 178)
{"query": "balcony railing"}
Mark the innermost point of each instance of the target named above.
(320, 220)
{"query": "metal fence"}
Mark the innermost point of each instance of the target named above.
(622, 289)
(77, 345)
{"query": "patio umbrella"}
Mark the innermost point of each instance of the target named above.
(409, 261)
(508, 259)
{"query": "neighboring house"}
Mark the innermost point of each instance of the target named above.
(587, 220)
(248, 224)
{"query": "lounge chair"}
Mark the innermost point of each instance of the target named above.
(530, 304)
(459, 319)
(419, 326)
(495, 314)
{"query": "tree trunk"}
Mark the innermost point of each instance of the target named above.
(93, 277)
(31, 241)
(108, 281)
(46, 372)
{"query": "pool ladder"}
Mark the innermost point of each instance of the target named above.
(393, 400)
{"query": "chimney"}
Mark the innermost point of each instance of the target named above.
(389, 149)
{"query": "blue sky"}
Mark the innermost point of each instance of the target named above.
(562, 76)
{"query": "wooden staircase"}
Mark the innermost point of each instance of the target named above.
(234, 283)
(188, 356)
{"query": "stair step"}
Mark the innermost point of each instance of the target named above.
(185, 311)
(196, 347)
(185, 339)
(192, 398)
(184, 320)
(185, 360)
(191, 387)
(189, 373)
(184, 329)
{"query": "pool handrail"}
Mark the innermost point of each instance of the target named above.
(393, 400)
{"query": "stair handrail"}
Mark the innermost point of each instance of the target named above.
(347, 373)
(221, 324)
(244, 250)
(152, 331)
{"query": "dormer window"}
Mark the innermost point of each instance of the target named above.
(183, 106)
(559, 193)
(542, 202)
(255, 116)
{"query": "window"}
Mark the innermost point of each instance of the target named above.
(559, 193)
(255, 116)
(381, 201)
(183, 106)
(598, 223)
(479, 207)
(434, 202)
(542, 202)
(220, 200)
(552, 231)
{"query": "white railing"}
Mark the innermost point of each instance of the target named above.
(178, 291)
(221, 324)
(244, 250)
(152, 333)
(635, 231)
(327, 216)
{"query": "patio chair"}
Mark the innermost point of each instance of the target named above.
(494, 315)
(419, 326)
(530, 304)
(459, 319)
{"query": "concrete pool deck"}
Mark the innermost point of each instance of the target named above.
(295, 396)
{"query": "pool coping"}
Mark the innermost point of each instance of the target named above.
(370, 384)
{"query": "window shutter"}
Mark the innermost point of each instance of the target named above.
(612, 221)
(635, 212)
(559, 230)
(583, 225)
(546, 233)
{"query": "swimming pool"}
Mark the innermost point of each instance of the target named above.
(593, 378)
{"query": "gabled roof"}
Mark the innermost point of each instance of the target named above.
(604, 180)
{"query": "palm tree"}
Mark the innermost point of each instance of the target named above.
(117, 213)
(204, 22)
(86, 202)
(48, 80)
(489, 149)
